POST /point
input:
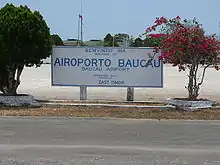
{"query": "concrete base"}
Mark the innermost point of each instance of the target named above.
(191, 105)
(18, 101)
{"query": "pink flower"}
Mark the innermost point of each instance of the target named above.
(148, 29)
(178, 17)
(154, 27)
(157, 35)
(165, 54)
(205, 46)
(182, 40)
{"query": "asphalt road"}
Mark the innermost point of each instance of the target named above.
(84, 141)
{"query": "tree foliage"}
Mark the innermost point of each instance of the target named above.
(24, 41)
(138, 42)
(109, 40)
(56, 40)
(185, 44)
(152, 40)
(121, 37)
(149, 41)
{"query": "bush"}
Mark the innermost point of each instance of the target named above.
(24, 41)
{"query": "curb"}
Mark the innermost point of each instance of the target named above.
(101, 105)
(215, 107)
(89, 105)
(100, 102)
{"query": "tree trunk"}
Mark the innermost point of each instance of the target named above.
(193, 87)
(10, 83)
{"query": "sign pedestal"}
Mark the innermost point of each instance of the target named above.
(130, 94)
(83, 93)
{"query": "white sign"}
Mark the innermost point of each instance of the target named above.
(106, 67)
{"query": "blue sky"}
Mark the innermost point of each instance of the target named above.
(119, 16)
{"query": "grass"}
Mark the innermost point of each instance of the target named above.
(135, 113)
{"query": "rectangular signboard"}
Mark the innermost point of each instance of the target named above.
(106, 67)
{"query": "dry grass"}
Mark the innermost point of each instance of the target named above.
(112, 112)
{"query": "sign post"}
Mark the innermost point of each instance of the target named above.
(130, 94)
(83, 92)
(130, 90)
(106, 67)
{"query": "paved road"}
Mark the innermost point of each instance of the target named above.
(36, 81)
(108, 142)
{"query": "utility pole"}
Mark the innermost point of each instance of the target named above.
(78, 42)
(81, 27)
(83, 89)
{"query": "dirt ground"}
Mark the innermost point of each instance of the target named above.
(135, 113)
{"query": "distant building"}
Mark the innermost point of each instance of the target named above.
(92, 42)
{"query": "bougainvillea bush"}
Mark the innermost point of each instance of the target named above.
(185, 44)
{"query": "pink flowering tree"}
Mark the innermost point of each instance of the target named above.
(185, 44)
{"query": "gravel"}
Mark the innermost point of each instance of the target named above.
(18, 101)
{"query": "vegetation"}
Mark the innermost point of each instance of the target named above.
(56, 40)
(149, 41)
(110, 41)
(24, 41)
(138, 42)
(185, 44)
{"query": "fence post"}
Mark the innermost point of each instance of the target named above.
(83, 93)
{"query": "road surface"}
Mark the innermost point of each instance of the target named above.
(86, 141)
(37, 81)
